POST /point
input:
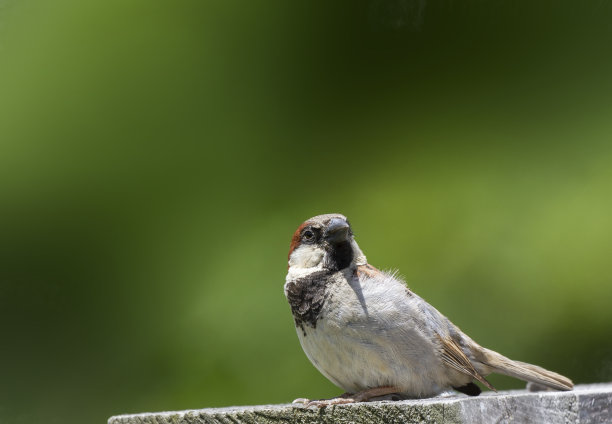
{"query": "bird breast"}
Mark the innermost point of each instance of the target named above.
(364, 332)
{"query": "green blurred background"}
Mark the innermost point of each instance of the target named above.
(156, 157)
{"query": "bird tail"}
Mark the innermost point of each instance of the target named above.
(527, 372)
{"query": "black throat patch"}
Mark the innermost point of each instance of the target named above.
(306, 296)
(340, 256)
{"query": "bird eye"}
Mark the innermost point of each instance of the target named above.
(308, 235)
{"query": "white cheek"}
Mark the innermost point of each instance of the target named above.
(306, 257)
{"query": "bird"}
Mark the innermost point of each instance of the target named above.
(372, 336)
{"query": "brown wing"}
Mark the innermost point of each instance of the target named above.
(453, 356)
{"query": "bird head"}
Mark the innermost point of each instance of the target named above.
(324, 242)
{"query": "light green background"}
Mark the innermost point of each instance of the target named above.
(156, 157)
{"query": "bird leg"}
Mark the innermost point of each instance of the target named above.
(363, 396)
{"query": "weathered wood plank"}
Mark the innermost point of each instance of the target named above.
(585, 404)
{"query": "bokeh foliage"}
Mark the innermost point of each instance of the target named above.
(156, 156)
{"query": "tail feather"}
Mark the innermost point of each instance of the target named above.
(528, 372)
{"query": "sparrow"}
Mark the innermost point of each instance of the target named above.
(372, 336)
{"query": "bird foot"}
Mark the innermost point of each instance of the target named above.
(324, 403)
(346, 398)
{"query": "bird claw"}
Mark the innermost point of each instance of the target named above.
(363, 396)
(323, 403)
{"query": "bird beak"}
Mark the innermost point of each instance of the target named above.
(337, 231)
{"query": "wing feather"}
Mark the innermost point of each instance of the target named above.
(453, 356)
